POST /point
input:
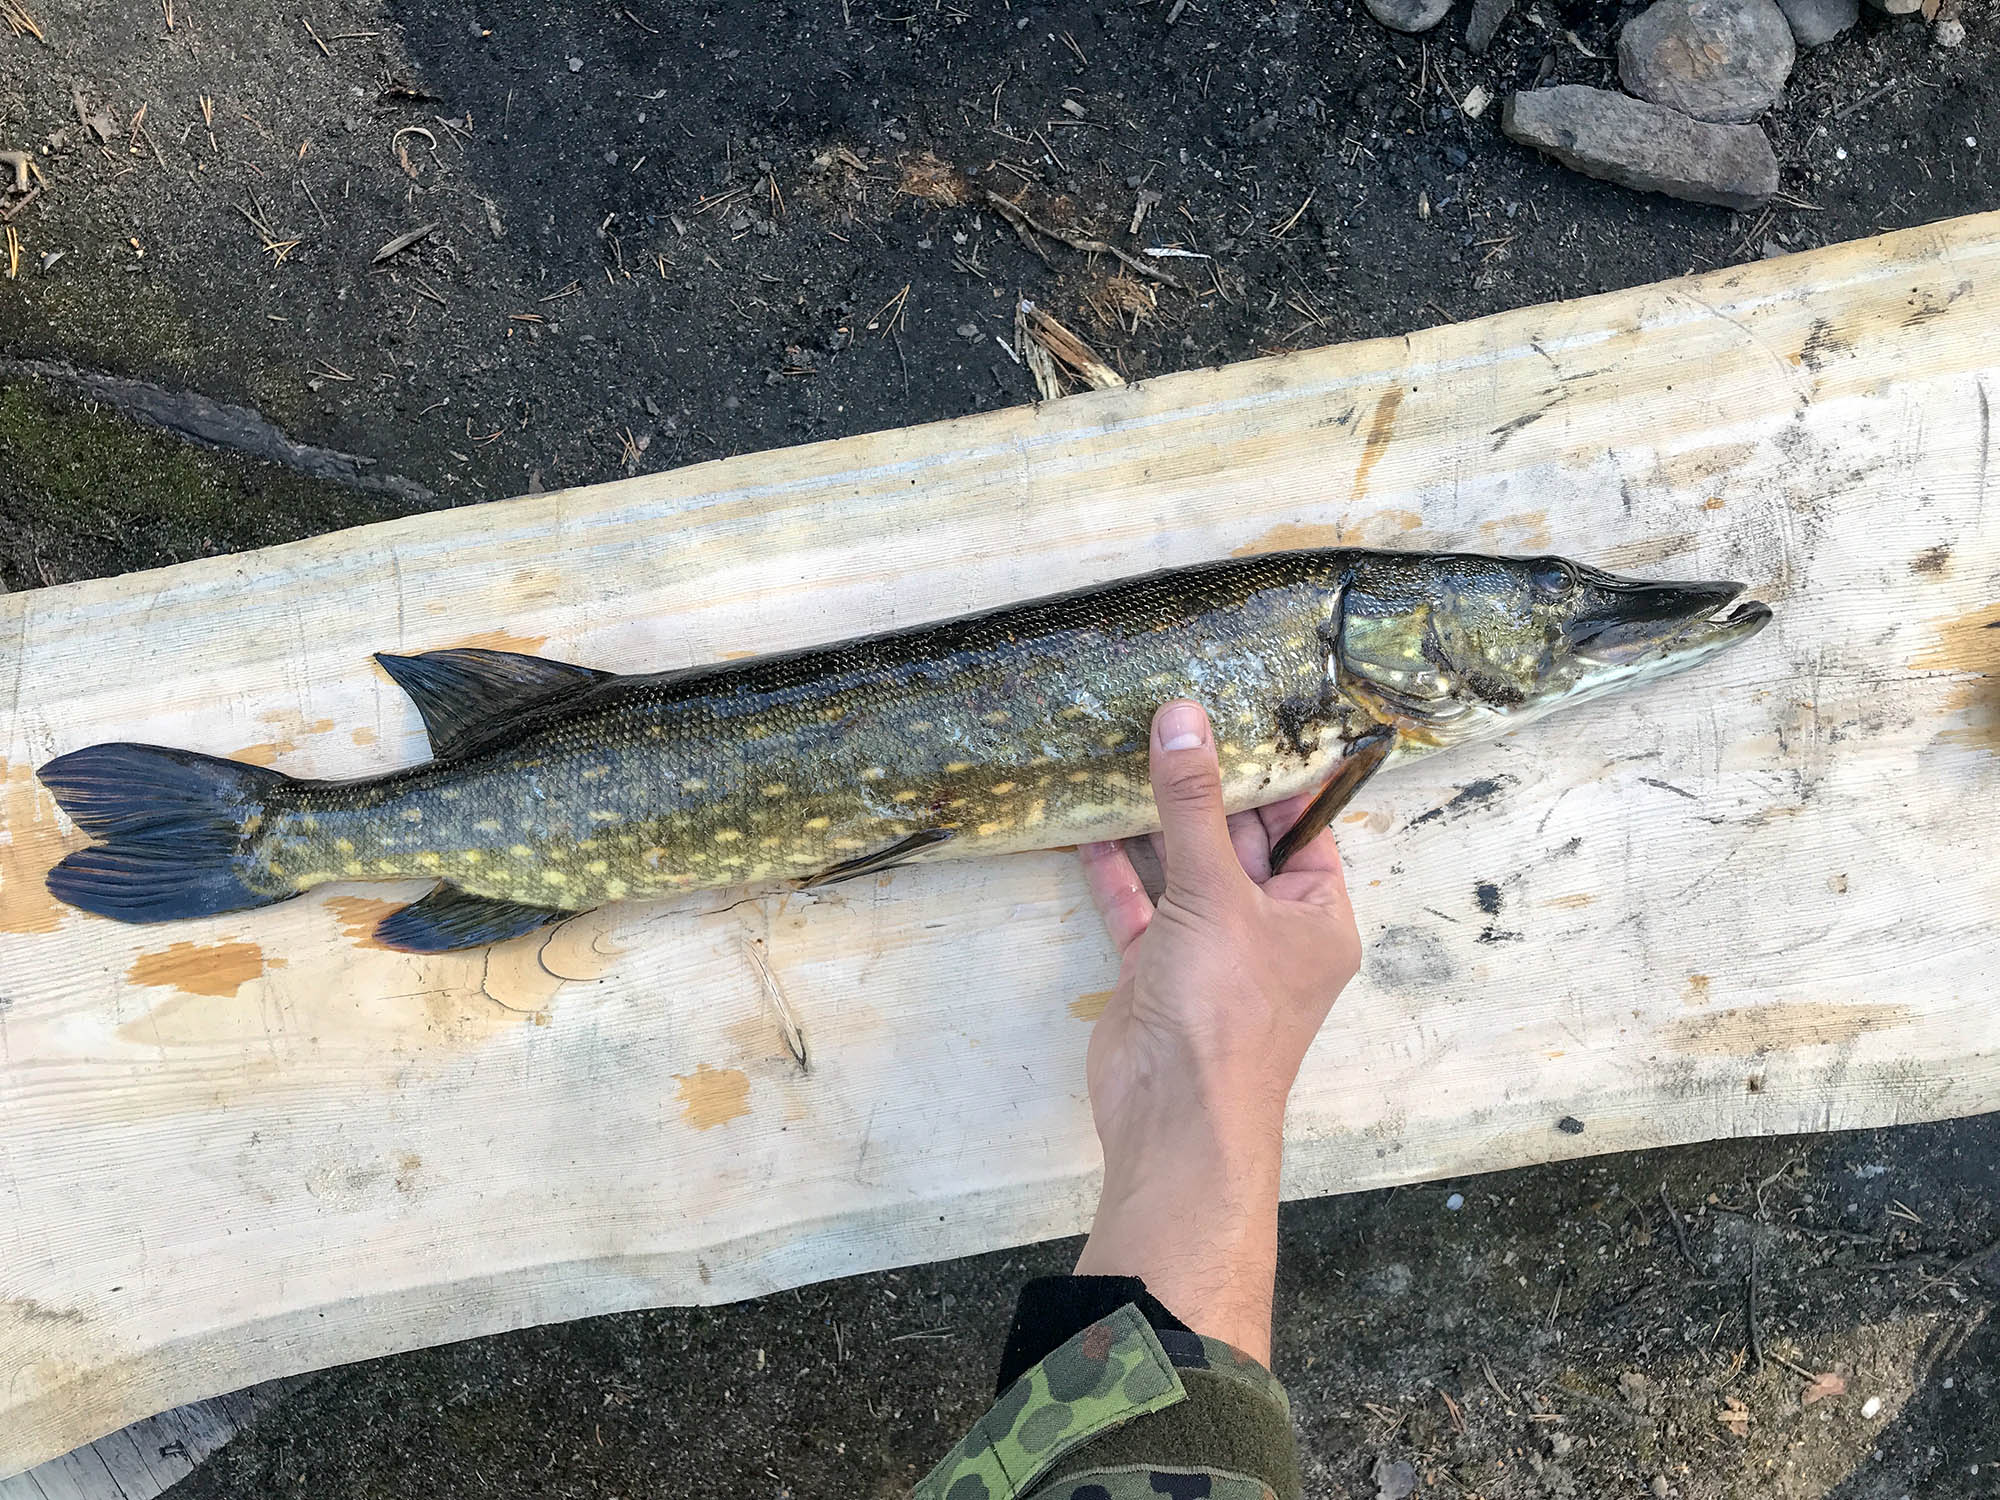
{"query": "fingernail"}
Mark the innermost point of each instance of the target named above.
(1180, 726)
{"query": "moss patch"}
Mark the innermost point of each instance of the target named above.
(85, 493)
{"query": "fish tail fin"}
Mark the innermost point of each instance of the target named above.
(175, 830)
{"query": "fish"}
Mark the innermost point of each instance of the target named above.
(553, 789)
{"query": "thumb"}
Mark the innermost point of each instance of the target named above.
(1187, 786)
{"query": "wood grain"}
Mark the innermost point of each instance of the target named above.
(1760, 898)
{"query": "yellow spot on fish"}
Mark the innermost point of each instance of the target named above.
(521, 851)
(775, 789)
(1074, 711)
(488, 825)
(277, 869)
(428, 860)
(472, 856)
(554, 877)
(997, 716)
(1003, 788)
(597, 866)
(873, 773)
(448, 794)
(958, 765)
(1035, 810)
(728, 835)
(413, 815)
(1112, 741)
(603, 815)
(769, 843)
(345, 846)
(922, 726)
(694, 784)
(848, 844)
(906, 796)
(616, 889)
(596, 773)
(1265, 747)
(385, 866)
(819, 822)
(986, 829)
(355, 867)
(653, 857)
(1079, 776)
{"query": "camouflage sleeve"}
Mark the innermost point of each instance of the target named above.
(1124, 1412)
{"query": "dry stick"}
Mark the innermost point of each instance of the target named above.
(1680, 1234)
(1017, 216)
(1750, 1311)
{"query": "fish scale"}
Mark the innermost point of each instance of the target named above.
(555, 788)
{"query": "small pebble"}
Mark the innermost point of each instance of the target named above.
(1870, 1407)
(1719, 60)
(1949, 32)
(1408, 15)
(1661, 1487)
(576, 65)
(1455, 1202)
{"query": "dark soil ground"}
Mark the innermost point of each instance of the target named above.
(657, 235)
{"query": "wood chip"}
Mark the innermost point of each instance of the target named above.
(1050, 349)
(401, 243)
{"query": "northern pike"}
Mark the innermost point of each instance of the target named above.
(556, 788)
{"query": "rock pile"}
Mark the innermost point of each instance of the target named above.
(1697, 75)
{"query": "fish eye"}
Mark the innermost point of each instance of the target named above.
(1552, 576)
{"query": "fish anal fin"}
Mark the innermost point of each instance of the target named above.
(470, 696)
(1363, 759)
(449, 919)
(881, 859)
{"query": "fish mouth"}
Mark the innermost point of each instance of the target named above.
(1640, 622)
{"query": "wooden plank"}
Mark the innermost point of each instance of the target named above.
(1757, 899)
(145, 1459)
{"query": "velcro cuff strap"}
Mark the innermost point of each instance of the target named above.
(1110, 1373)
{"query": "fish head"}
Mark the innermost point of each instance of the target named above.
(1455, 646)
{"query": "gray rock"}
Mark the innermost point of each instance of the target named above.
(1898, 7)
(1817, 22)
(1486, 18)
(1724, 60)
(1643, 146)
(1408, 15)
(1949, 32)
(1394, 1481)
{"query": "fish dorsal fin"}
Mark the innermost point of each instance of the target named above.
(468, 696)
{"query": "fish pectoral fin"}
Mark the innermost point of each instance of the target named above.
(881, 859)
(1363, 759)
(449, 919)
(468, 696)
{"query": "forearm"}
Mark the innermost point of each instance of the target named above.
(1193, 1211)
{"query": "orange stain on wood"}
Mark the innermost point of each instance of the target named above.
(358, 916)
(1756, 1030)
(31, 840)
(1380, 429)
(363, 736)
(1571, 902)
(1089, 1007)
(264, 754)
(500, 640)
(1288, 536)
(1969, 644)
(1697, 991)
(217, 969)
(1528, 528)
(713, 1096)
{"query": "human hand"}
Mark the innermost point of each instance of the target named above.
(1223, 986)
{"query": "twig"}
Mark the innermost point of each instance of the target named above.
(1017, 216)
(1863, 102)
(1680, 1234)
(1750, 1311)
(401, 243)
(324, 49)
